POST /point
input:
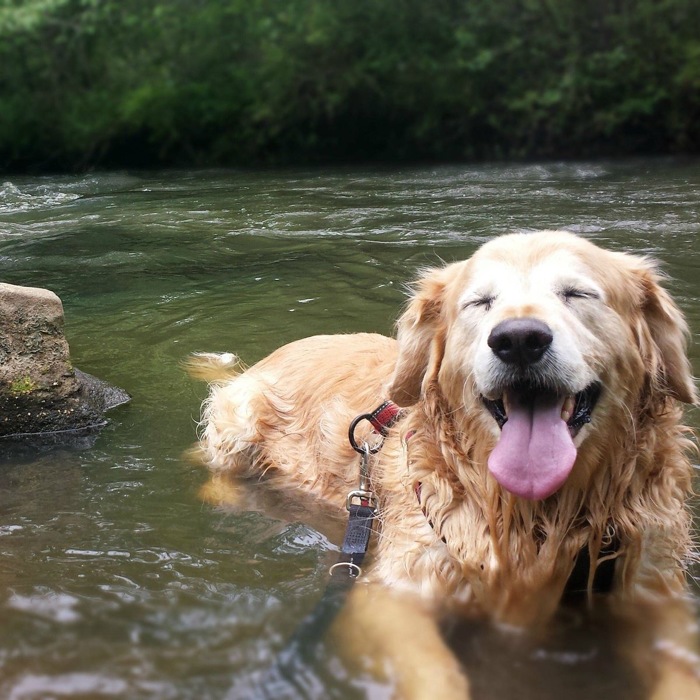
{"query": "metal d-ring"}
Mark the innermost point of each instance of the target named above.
(351, 436)
(351, 567)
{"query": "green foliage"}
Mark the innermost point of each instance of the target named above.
(23, 385)
(148, 82)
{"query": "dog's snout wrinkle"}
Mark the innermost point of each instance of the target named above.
(520, 341)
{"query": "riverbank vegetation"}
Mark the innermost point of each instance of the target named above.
(141, 83)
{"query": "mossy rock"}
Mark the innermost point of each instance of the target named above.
(40, 390)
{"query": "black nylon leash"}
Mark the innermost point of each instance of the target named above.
(291, 668)
(343, 574)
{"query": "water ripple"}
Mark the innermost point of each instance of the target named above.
(13, 199)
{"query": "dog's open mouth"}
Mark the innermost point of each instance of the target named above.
(536, 452)
(576, 410)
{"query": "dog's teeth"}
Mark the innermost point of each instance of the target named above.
(567, 410)
(506, 404)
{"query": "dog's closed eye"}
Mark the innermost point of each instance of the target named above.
(483, 301)
(570, 293)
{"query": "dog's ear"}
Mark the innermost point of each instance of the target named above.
(420, 337)
(664, 340)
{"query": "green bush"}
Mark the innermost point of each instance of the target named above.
(87, 83)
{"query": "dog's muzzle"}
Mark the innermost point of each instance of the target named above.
(538, 415)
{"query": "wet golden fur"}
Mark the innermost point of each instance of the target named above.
(484, 550)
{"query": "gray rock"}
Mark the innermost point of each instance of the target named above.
(41, 392)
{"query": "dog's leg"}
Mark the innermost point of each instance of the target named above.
(661, 642)
(396, 639)
(676, 650)
(675, 684)
(222, 490)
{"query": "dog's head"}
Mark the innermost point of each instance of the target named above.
(543, 338)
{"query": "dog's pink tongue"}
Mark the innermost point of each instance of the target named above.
(535, 453)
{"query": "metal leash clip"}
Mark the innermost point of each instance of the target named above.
(364, 491)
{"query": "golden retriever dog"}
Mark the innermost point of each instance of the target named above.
(542, 383)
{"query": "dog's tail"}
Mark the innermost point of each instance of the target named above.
(213, 367)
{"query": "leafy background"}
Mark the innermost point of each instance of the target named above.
(143, 83)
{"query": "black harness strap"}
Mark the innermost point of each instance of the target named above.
(577, 584)
(604, 576)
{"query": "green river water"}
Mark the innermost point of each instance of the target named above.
(116, 581)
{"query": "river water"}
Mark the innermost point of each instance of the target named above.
(116, 580)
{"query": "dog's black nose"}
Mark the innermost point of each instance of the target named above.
(520, 341)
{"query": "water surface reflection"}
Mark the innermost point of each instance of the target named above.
(116, 580)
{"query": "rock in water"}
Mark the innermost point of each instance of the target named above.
(41, 392)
